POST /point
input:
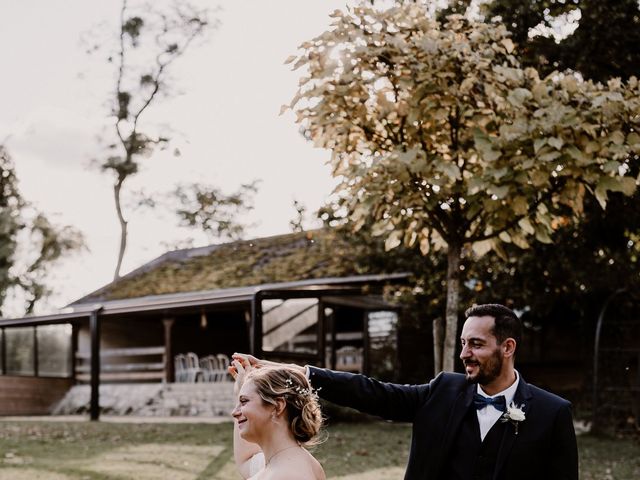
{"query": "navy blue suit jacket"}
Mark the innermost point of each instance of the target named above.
(543, 448)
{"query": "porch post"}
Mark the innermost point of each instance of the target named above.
(169, 370)
(332, 323)
(255, 328)
(94, 327)
(35, 352)
(366, 367)
(74, 351)
(322, 339)
(4, 351)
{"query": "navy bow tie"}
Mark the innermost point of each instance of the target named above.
(499, 402)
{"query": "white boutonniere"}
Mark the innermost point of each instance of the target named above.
(514, 414)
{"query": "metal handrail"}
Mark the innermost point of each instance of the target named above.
(596, 349)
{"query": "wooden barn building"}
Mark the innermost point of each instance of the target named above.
(178, 318)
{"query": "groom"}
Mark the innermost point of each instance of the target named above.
(488, 424)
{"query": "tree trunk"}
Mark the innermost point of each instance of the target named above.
(438, 344)
(453, 299)
(123, 229)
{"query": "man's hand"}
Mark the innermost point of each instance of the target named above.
(253, 362)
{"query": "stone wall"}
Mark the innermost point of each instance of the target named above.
(160, 400)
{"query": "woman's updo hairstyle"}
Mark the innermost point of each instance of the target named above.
(302, 407)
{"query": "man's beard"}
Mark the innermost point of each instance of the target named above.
(489, 371)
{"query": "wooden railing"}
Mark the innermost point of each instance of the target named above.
(121, 371)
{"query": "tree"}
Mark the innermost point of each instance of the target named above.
(297, 223)
(163, 37)
(21, 225)
(443, 140)
(207, 208)
(603, 45)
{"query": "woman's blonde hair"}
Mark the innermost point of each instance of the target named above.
(302, 407)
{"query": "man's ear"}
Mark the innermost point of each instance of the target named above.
(509, 347)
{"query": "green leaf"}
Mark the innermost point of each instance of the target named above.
(548, 157)
(498, 191)
(484, 145)
(508, 44)
(425, 245)
(520, 205)
(519, 241)
(526, 226)
(482, 247)
(518, 96)
(450, 169)
(538, 143)
(617, 137)
(626, 185)
(611, 167)
(538, 178)
(555, 142)
(577, 155)
(393, 240)
(543, 236)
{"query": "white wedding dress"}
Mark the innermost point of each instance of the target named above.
(256, 463)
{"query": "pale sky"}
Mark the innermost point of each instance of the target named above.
(225, 120)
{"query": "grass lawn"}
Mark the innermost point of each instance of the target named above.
(353, 451)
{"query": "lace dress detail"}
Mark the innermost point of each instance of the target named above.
(256, 463)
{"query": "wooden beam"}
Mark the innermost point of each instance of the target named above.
(94, 327)
(366, 364)
(169, 368)
(124, 367)
(255, 327)
(35, 351)
(4, 351)
(321, 340)
(123, 376)
(124, 352)
(74, 347)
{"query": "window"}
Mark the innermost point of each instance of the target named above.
(383, 341)
(20, 350)
(54, 350)
(290, 325)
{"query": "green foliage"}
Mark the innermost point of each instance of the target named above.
(604, 44)
(297, 223)
(131, 27)
(441, 137)
(207, 208)
(443, 140)
(21, 225)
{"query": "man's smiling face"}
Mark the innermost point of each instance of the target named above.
(481, 355)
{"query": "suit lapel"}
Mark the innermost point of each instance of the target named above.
(460, 408)
(522, 398)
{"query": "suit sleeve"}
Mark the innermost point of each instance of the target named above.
(564, 461)
(387, 400)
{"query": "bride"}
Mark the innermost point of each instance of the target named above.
(276, 415)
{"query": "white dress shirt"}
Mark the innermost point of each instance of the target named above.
(489, 415)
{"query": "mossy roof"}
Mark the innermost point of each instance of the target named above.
(282, 258)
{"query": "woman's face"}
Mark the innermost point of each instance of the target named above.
(252, 414)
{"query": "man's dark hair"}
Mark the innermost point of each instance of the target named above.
(507, 324)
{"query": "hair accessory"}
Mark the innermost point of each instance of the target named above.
(307, 392)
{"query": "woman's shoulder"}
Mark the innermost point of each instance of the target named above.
(301, 466)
